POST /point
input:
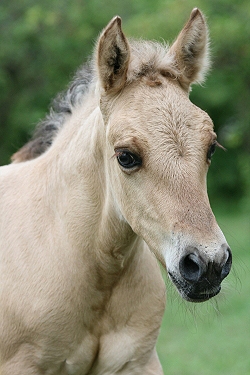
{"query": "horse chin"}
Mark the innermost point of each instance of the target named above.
(200, 297)
(193, 293)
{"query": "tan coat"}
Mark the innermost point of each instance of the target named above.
(81, 226)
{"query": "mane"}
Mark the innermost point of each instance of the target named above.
(148, 59)
(61, 108)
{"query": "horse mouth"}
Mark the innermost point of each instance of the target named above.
(194, 293)
(201, 297)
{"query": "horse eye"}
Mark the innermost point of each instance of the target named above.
(128, 160)
(211, 150)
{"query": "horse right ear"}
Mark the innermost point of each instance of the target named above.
(191, 50)
(113, 56)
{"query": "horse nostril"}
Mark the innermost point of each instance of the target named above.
(227, 266)
(191, 267)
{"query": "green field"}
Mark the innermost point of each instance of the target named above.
(212, 338)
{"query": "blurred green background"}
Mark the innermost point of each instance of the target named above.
(41, 45)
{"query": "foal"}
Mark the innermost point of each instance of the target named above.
(118, 181)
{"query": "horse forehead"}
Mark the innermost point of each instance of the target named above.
(167, 107)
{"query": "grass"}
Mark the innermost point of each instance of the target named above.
(212, 338)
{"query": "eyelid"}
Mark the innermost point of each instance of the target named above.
(131, 144)
(120, 150)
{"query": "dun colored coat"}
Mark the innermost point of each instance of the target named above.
(113, 180)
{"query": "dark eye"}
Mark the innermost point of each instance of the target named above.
(127, 159)
(211, 151)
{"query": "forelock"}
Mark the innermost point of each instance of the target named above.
(151, 59)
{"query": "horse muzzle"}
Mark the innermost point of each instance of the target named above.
(199, 278)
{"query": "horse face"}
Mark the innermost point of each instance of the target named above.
(158, 160)
(159, 148)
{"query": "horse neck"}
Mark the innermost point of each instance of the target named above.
(81, 186)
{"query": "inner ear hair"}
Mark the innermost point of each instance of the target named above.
(191, 50)
(113, 55)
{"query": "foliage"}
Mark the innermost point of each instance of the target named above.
(43, 42)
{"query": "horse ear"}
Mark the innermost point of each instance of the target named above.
(113, 56)
(191, 50)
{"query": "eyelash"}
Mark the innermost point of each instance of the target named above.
(212, 149)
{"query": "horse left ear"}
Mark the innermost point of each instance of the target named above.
(113, 56)
(191, 50)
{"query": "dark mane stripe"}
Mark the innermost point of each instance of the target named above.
(61, 108)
